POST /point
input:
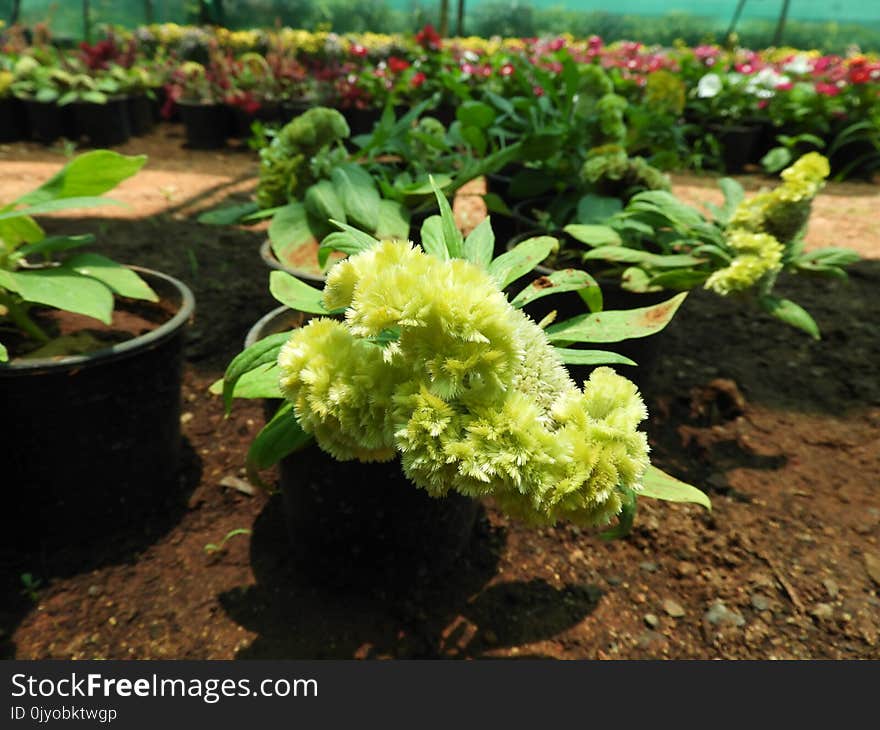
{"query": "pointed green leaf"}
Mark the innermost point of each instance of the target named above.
(53, 244)
(555, 283)
(121, 280)
(62, 288)
(624, 255)
(793, 314)
(20, 230)
(394, 220)
(280, 437)
(4, 354)
(228, 214)
(295, 293)
(89, 174)
(591, 357)
(263, 352)
(52, 206)
(359, 195)
(261, 382)
(521, 259)
(476, 114)
(658, 484)
(615, 326)
(289, 230)
(364, 240)
(597, 208)
(452, 237)
(480, 244)
(593, 235)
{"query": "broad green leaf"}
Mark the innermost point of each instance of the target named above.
(62, 288)
(593, 235)
(480, 244)
(658, 484)
(681, 279)
(4, 354)
(476, 139)
(496, 204)
(295, 293)
(393, 221)
(636, 280)
(261, 382)
(790, 313)
(280, 437)
(365, 240)
(431, 236)
(521, 259)
(832, 256)
(555, 283)
(624, 255)
(92, 173)
(776, 159)
(530, 183)
(121, 280)
(52, 206)
(616, 325)
(451, 235)
(359, 195)
(733, 196)
(53, 244)
(228, 214)
(597, 208)
(476, 114)
(290, 229)
(16, 231)
(338, 241)
(667, 205)
(261, 353)
(591, 357)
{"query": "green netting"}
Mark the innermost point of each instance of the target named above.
(829, 25)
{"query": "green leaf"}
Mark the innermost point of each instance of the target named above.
(4, 354)
(20, 230)
(63, 289)
(597, 208)
(53, 244)
(261, 353)
(280, 437)
(832, 256)
(431, 236)
(359, 195)
(625, 518)
(591, 357)
(295, 294)
(338, 241)
(52, 206)
(452, 237)
(530, 183)
(616, 325)
(521, 259)
(555, 283)
(121, 280)
(624, 255)
(476, 114)
(89, 174)
(261, 382)
(776, 159)
(476, 139)
(480, 244)
(657, 484)
(593, 235)
(495, 204)
(365, 240)
(681, 279)
(227, 215)
(394, 221)
(733, 196)
(793, 314)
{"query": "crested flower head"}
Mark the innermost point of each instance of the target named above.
(433, 363)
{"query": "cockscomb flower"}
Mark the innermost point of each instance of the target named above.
(757, 255)
(433, 364)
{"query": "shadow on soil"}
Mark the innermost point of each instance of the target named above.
(23, 571)
(458, 615)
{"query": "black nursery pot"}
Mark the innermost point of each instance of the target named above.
(105, 125)
(207, 125)
(13, 127)
(92, 442)
(141, 115)
(740, 144)
(361, 121)
(48, 121)
(364, 525)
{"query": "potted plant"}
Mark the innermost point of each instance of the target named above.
(199, 94)
(39, 87)
(435, 386)
(99, 105)
(90, 368)
(12, 127)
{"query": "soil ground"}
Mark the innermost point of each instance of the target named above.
(781, 431)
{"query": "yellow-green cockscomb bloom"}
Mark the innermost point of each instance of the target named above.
(758, 255)
(469, 393)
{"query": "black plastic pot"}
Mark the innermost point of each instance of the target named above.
(105, 125)
(365, 525)
(207, 125)
(290, 108)
(93, 441)
(141, 115)
(739, 144)
(13, 126)
(47, 121)
(361, 121)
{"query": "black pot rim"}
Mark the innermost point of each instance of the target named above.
(119, 350)
(270, 260)
(255, 333)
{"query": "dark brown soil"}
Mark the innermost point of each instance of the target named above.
(783, 432)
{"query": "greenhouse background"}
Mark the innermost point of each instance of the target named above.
(833, 27)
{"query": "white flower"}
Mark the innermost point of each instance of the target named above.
(764, 83)
(709, 86)
(800, 64)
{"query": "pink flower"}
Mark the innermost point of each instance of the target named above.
(538, 91)
(827, 89)
(785, 86)
(507, 69)
(357, 50)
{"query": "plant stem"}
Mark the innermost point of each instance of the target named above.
(17, 314)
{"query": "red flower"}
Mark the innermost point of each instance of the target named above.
(429, 39)
(538, 91)
(356, 49)
(507, 69)
(418, 79)
(785, 86)
(397, 65)
(827, 89)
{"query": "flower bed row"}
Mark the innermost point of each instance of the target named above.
(702, 107)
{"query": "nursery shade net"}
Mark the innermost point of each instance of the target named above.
(829, 25)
